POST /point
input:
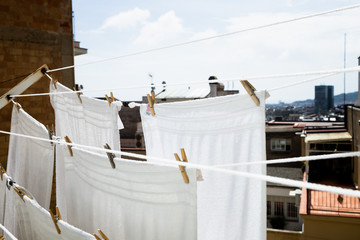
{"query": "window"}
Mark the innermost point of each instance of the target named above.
(279, 208)
(280, 144)
(292, 211)
(268, 208)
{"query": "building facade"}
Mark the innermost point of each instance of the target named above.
(324, 98)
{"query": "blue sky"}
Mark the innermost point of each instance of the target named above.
(112, 28)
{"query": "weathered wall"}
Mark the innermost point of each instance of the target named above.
(33, 33)
(331, 228)
(353, 125)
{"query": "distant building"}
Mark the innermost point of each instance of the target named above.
(324, 98)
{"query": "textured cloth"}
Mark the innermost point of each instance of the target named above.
(92, 122)
(220, 130)
(35, 223)
(134, 201)
(2, 198)
(31, 162)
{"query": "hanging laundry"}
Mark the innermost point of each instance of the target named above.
(90, 122)
(220, 130)
(12, 211)
(2, 197)
(136, 200)
(35, 223)
(31, 162)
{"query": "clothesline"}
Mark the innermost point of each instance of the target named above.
(295, 159)
(325, 73)
(211, 37)
(7, 232)
(277, 180)
(266, 162)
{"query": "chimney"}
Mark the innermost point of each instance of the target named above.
(215, 87)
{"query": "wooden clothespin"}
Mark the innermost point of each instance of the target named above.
(56, 218)
(51, 133)
(251, 91)
(54, 81)
(182, 168)
(110, 99)
(16, 104)
(67, 139)
(77, 89)
(2, 171)
(110, 155)
(151, 101)
(2, 237)
(21, 193)
(101, 234)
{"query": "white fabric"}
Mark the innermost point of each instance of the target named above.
(134, 201)
(30, 162)
(220, 130)
(2, 198)
(92, 122)
(35, 223)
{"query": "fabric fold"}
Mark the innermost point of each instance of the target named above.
(30, 164)
(35, 223)
(220, 130)
(136, 200)
(91, 122)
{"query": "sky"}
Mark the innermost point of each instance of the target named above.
(113, 28)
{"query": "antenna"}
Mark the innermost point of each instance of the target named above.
(344, 68)
(152, 82)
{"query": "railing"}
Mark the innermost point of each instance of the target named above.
(325, 203)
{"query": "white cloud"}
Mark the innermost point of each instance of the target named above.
(126, 19)
(167, 27)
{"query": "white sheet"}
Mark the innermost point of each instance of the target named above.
(2, 199)
(35, 223)
(221, 130)
(136, 200)
(31, 162)
(92, 122)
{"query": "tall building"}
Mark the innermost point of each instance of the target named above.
(324, 98)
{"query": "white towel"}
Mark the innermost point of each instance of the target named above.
(31, 162)
(229, 129)
(92, 122)
(35, 223)
(136, 200)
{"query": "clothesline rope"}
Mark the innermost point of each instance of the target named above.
(8, 233)
(294, 159)
(325, 73)
(211, 37)
(277, 180)
(302, 82)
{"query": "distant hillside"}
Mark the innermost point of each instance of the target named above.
(307, 102)
(338, 100)
(349, 97)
